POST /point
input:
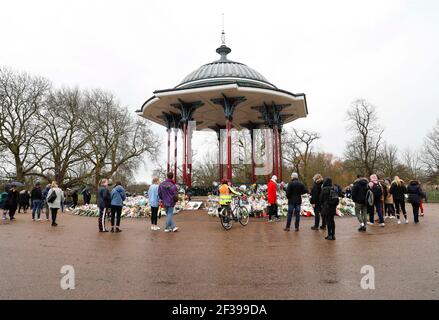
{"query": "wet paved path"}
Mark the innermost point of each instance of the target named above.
(202, 261)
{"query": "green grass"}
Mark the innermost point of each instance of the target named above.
(433, 196)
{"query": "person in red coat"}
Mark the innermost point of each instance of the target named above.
(272, 199)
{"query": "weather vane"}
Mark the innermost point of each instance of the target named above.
(223, 34)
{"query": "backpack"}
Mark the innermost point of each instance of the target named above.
(52, 197)
(3, 197)
(369, 197)
(377, 191)
(333, 198)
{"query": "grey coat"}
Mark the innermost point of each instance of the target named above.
(59, 198)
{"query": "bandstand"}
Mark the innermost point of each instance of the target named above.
(219, 96)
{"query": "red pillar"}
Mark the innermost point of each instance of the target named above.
(189, 158)
(280, 155)
(229, 149)
(175, 154)
(267, 149)
(220, 157)
(276, 150)
(184, 153)
(169, 151)
(253, 155)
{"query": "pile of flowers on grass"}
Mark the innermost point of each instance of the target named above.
(255, 200)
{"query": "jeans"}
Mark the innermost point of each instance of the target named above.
(169, 218)
(102, 218)
(330, 221)
(317, 214)
(390, 209)
(296, 209)
(54, 212)
(400, 206)
(46, 206)
(415, 207)
(37, 205)
(273, 211)
(116, 213)
(361, 213)
(154, 213)
(379, 209)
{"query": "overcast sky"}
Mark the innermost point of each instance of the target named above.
(333, 51)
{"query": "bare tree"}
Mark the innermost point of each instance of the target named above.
(115, 137)
(298, 148)
(363, 150)
(63, 138)
(205, 172)
(412, 163)
(431, 153)
(389, 164)
(21, 98)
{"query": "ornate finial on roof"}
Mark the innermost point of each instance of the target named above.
(223, 50)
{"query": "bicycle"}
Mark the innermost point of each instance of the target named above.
(237, 212)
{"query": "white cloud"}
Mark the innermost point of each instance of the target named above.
(334, 51)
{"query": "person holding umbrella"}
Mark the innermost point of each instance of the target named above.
(11, 202)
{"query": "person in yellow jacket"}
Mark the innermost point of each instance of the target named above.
(225, 192)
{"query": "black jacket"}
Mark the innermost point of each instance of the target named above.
(11, 200)
(23, 198)
(327, 209)
(315, 192)
(295, 190)
(398, 191)
(378, 192)
(104, 198)
(415, 192)
(36, 194)
(359, 191)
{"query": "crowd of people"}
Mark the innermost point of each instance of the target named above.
(384, 198)
(372, 197)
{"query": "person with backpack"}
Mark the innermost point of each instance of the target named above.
(398, 190)
(55, 197)
(415, 194)
(168, 193)
(104, 204)
(359, 196)
(37, 201)
(315, 201)
(118, 196)
(378, 194)
(329, 199)
(295, 190)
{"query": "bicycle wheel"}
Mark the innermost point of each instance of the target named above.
(226, 221)
(244, 216)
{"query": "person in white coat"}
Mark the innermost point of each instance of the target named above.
(55, 197)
